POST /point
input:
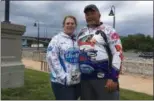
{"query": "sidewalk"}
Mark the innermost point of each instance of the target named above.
(137, 83)
(127, 81)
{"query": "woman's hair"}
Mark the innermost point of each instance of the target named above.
(70, 16)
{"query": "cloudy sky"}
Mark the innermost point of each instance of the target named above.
(131, 16)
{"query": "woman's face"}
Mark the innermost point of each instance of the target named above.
(69, 26)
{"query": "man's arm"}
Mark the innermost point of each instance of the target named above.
(117, 57)
(116, 49)
(53, 59)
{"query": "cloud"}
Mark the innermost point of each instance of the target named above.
(131, 16)
(142, 24)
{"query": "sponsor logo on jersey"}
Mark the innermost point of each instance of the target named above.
(87, 55)
(75, 75)
(118, 48)
(115, 36)
(85, 42)
(100, 75)
(72, 55)
(82, 58)
(86, 69)
(121, 56)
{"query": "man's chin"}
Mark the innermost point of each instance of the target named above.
(92, 24)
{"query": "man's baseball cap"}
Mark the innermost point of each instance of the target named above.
(91, 7)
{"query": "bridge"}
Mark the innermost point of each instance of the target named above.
(28, 41)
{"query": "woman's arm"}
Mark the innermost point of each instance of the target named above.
(53, 59)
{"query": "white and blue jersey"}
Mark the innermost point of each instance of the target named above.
(94, 59)
(63, 59)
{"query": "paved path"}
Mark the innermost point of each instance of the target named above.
(127, 81)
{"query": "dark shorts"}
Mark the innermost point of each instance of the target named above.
(63, 92)
(95, 90)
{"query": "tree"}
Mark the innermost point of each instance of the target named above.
(137, 42)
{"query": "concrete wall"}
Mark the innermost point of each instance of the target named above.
(12, 69)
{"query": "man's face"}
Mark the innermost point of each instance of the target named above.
(92, 17)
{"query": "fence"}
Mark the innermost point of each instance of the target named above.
(44, 66)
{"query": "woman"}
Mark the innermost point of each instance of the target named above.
(62, 57)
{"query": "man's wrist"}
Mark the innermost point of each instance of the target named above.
(114, 77)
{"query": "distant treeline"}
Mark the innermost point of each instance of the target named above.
(138, 42)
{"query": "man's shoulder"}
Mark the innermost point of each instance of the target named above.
(108, 27)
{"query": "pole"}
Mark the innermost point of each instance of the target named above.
(114, 22)
(46, 34)
(7, 11)
(114, 17)
(38, 36)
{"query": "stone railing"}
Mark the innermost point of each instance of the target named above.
(138, 66)
(36, 56)
(130, 65)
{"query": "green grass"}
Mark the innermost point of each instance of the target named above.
(37, 87)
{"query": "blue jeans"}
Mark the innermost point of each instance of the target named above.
(63, 92)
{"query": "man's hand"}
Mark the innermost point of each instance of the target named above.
(111, 85)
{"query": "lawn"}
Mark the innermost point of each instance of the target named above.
(37, 87)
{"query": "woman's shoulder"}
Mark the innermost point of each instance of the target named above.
(56, 36)
(54, 39)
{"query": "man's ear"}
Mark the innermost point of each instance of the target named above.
(99, 15)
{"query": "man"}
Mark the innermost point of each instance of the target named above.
(100, 58)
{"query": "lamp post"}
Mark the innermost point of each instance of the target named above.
(36, 24)
(112, 13)
(7, 11)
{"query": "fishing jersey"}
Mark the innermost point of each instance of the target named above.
(94, 57)
(62, 58)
